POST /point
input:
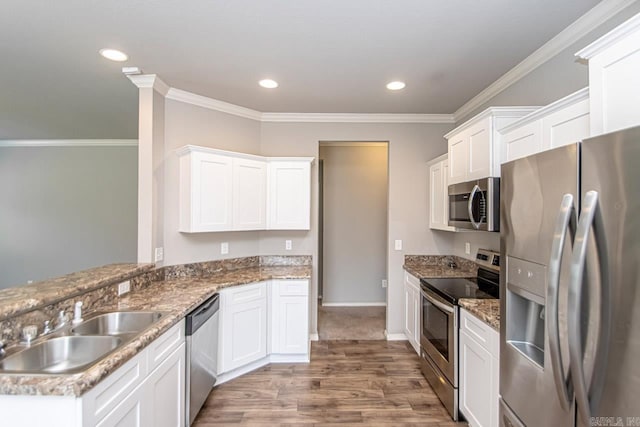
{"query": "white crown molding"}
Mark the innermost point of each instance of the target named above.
(516, 111)
(578, 96)
(150, 81)
(612, 37)
(212, 104)
(69, 143)
(352, 144)
(356, 118)
(574, 32)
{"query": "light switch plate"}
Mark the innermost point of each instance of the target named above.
(159, 256)
(224, 248)
(398, 245)
(467, 248)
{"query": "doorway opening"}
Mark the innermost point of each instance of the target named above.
(352, 240)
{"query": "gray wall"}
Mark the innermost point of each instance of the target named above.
(65, 209)
(355, 223)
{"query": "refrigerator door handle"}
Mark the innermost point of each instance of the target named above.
(474, 191)
(586, 394)
(565, 221)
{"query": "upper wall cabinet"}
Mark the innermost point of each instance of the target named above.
(474, 146)
(614, 78)
(560, 123)
(439, 194)
(227, 191)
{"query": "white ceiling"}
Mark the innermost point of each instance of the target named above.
(328, 55)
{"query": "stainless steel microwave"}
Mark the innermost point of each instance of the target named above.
(475, 205)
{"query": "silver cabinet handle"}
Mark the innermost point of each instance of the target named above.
(589, 218)
(565, 221)
(476, 224)
(437, 303)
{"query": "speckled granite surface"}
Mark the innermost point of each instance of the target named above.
(487, 310)
(14, 301)
(176, 296)
(437, 266)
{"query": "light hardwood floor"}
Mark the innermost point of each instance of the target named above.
(347, 383)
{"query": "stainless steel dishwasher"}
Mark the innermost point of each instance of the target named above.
(202, 355)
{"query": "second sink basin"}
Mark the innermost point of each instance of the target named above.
(117, 323)
(61, 355)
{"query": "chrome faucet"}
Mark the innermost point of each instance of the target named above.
(2, 350)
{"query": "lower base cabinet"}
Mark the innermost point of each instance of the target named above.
(479, 371)
(290, 317)
(412, 309)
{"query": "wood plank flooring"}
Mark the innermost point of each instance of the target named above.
(372, 383)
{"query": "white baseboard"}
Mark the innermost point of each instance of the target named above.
(396, 337)
(314, 337)
(354, 304)
(272, 358)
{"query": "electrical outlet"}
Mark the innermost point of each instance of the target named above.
(467, 248)
(124, 287)
(29, 282)
(224, 248)
(398, 245)
(384, 283)
(287, 245)
(159, 254)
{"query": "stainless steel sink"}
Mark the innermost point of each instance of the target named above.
(60, 355)
(117, 323)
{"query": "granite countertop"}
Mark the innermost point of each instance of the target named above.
(487, 310)
(437, 271)
(176, 297)
(436, 266)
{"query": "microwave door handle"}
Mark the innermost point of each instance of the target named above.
(475, 224)
(590, 217)
(564, 222)
(437, 303)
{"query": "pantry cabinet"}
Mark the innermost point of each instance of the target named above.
(614, 78)
(563, 122)
(227, 191)
(479, 371)
(439, 194)
(474, 146)
(412, 310)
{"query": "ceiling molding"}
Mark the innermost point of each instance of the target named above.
(212, 104)
(612, 37)
(356, 118)
(574, 32)
(150, 81)
(495, 112)
(352, 144)
(68, 143)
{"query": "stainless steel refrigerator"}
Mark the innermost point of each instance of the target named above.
(570, 286)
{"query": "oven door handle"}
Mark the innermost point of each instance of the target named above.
(476, 224)
(440, 305)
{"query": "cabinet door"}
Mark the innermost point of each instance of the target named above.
(249, 194)
(566, 126)
(129, 413)
(458, 157)
(290, 316)
(521, 142)
(417, 309)
(210, 196)
(436, 199)
(480, 152)
(476, 386)
(410, 316)
(289, 196)
(445, 196)
(244, 326)
(165, 392)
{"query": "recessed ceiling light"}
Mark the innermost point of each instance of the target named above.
(268, 83)
(114, 55)
(395, 85)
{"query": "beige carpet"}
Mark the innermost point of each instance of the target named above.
(351, 323)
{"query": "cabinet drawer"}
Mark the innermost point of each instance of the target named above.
(164, 345)
(292, 287)
(244, 293)
(482, 333)
(411, 279)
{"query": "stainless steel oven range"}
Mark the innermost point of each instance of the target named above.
(439, 324)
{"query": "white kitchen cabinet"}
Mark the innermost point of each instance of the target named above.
(563, 122)
(412, 310)
(479, 371)
(289, 196)
(439, 194)
(474, 146)
(206, 191)
(614, 78)
(243, 326)
(128, 413)
(290, 317)
(165, 389)
(227, 191)
(249, 194)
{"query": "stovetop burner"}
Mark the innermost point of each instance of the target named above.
(485, 286)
